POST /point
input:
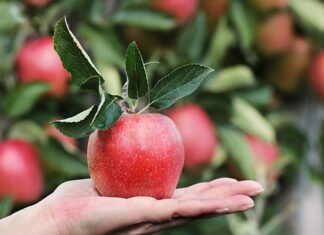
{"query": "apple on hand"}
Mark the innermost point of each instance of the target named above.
(130, 153)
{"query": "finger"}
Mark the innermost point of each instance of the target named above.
(82, 187)
(203, 186)
(250, 188)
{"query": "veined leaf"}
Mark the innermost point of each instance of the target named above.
(73, 56)
(108, 111)
(79, 125)
(178, 84)
(136, 73)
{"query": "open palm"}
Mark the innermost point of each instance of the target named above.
(77, 208)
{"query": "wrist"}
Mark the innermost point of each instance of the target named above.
(33, 220)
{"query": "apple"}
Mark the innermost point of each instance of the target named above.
(37, 3)
(275, 34)
(38, 61)
(214, 9)
(267, 5)
(20, 171)
(197, 133)
(264, 155)
(140, 155)
(68, 142)
(316, 75)
(290, 68)
(183, 10)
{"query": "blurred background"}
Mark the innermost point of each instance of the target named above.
(258, 116)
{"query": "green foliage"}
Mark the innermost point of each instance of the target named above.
(6, 205)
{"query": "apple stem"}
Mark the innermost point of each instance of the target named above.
(143, 109)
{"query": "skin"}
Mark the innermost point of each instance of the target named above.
(38, 61)
(183, 10)
(141, 154)
(20, 171)
(275, 34)
(316, 77)
(75, 207)
(192, 122)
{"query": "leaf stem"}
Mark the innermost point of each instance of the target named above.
(143, 109)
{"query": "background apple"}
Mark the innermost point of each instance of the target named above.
(140, 155)
(265, 155)
(20, 171)
(288, 71)
(267, 5)
(68, 142)
(183, 10)
(38, 61)
(275, 34)
(198, 135)
(37, 3)
(316, 77)
(213, 9)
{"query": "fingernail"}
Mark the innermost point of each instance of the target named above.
(247, 207)
(222, 210)
(256, 192)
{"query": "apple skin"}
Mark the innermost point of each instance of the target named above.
(275, 34)
(214, 9)
(37, 3)
(68, 142)
(38, 61)
(268, 5)
(20, 171)
(265, 154)
(140, 155)
(316, 74)
(198, 134)
(288, 71)
(183, 10)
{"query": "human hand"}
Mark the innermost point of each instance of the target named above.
(75, 207)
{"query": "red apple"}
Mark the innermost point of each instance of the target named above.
(38, 61)
(197, 133)
(267, 5)
(275, 34)
(316, 77)
(140, 155)
(68, 142)
(265, 154)
(37, 3)
(288, 71)
(20, 171)
(214, 9)
(183, 10)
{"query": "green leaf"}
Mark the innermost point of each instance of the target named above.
(145, 19)
(11, 16)
(309, 14)
(193, 37)
(6, 205)
(261, 96)
(238, 149)
(108, 111)
(250, 120)
(178, 84)
(27, 130)
(113, 83)
(105, 46)
(136, 73)
(231, 78)
(58, 159)
(222, 39)
(74, 57)
(79, 125)
(244, 21)
(24, 97)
